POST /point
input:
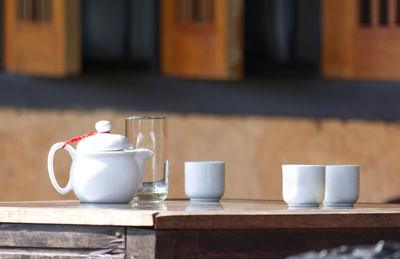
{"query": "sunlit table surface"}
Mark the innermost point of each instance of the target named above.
(183, 214)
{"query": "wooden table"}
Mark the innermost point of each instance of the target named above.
(180, 229)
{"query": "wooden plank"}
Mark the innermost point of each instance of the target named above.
(339, 18)
(374, 14)
(66, 212)
(376, 53)
(35, 253)
(62, 241)
(237, 215)
(9, 48)
(72, 37)
(276, 221)
(140, 243)
(235, 39)
(392, 13)
(181, 214)
(99, 238)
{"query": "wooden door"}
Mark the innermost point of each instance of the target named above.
(202, 38)
(42, 37)
(361, 39)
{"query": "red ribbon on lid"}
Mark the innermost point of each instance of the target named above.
(81, 137)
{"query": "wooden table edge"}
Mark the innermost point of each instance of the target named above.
(164, 221)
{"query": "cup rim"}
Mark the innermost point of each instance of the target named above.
(149, 117)
(302, 165)
(342, 165)
(204, 162)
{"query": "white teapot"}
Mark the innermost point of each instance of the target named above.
(105, 168)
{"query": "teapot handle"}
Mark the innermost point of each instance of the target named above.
(53, 149)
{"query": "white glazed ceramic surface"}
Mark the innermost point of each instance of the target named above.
(103, 140)
(303, 185)
(99, 174)
(204, 180)
(341, 185)
(102, 177)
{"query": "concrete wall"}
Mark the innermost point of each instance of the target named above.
(252, 147)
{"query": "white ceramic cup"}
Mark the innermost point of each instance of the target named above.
(341, 185)
(204, 180)
(303, 185)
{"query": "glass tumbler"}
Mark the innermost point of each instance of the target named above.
(150, 132)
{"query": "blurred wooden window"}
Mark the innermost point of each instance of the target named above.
(361, 39)
(42, 37)
(202, 38)
(34, 10)
(194, 11)
(383, 12)
(365, 12)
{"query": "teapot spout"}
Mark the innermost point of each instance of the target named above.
(141, 155)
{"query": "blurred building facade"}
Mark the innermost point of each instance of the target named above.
(254, 83)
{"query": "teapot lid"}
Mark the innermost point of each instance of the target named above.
(103, 140)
